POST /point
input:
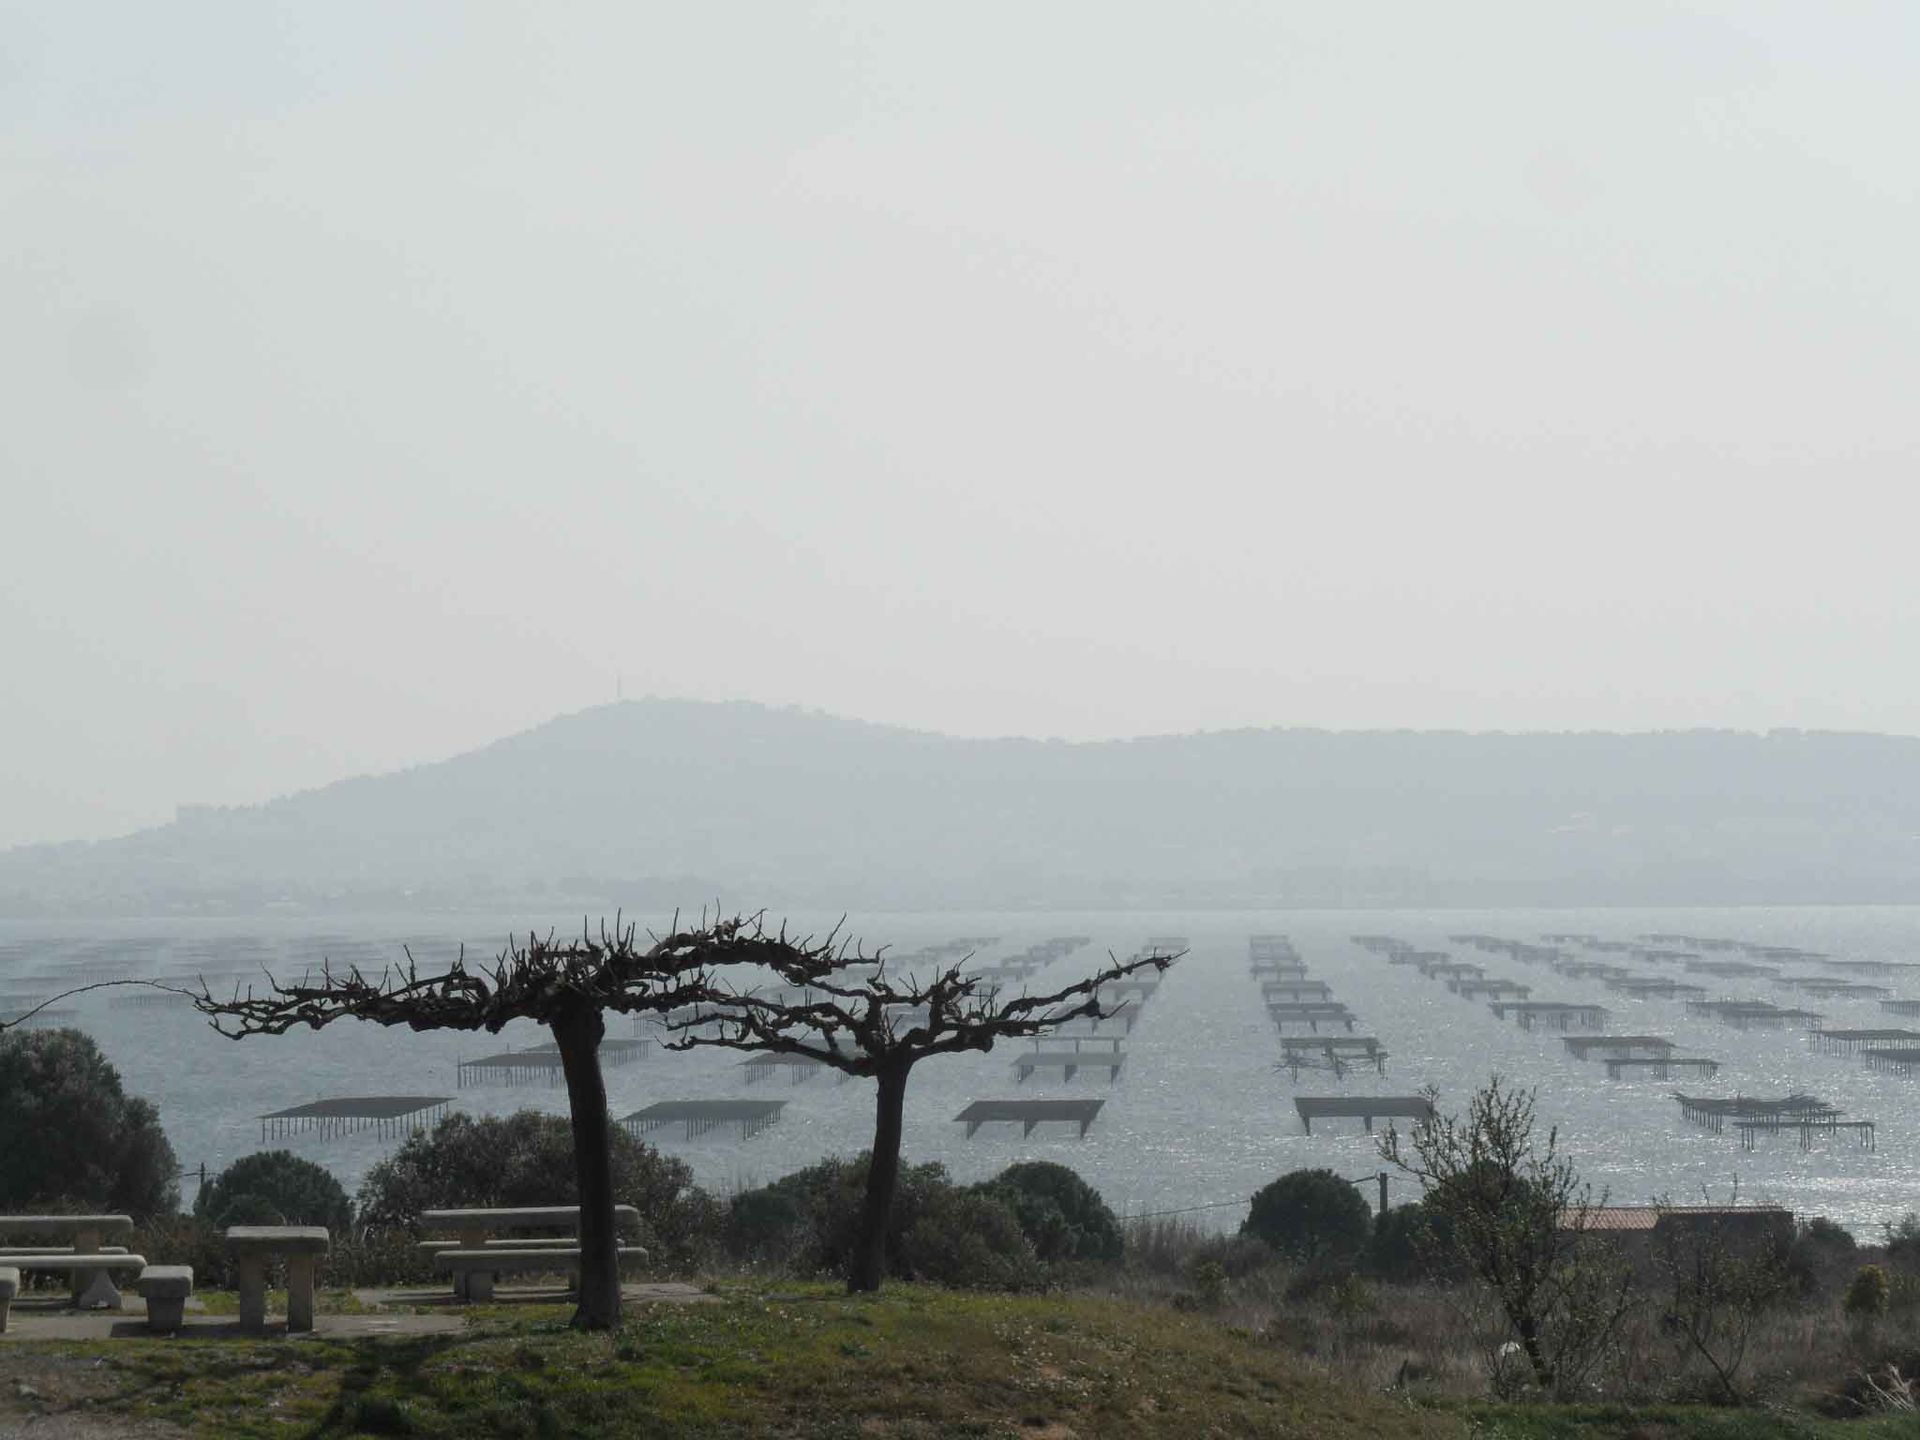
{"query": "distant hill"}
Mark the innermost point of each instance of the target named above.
(659, 801)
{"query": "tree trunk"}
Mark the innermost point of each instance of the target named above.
(578, 1031)
(1536, 1357)
(869, 1264)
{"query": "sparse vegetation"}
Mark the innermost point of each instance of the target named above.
(1517, 1218)
(1718, 1290)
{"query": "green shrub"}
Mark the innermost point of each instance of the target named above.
(767, 1226)
(527, 1159)
(382, 1256)
(1867, 1294)
(809, 1220)
(186, 1240)
(1412, 1244)
(93, 1147)
(275, 1187)
(1820, 1255)
(1061, 1215)
(969, 1239)
(1309, 1215)
(1209, 1279)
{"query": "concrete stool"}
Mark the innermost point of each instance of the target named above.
(165, 1288)
(9, 1287)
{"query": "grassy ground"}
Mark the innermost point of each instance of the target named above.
(330, 1302)
(805, 1361)
(1673, 1422)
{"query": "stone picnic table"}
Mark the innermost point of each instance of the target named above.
(92, 1280)
(83, 1232)
(476, 1227)
(254, 1246)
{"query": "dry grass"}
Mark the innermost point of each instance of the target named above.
(1436, 1344)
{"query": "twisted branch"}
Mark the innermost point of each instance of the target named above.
(535, 980)
(856, 1025)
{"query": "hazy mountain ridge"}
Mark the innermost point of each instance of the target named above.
(662, 796)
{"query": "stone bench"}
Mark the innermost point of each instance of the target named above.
(165, 1288)
(477, 1268)
(23, 1253)
(93, 1272)
(30, 1250)
(530, 1242)
(255, 1246)
(475, 1227)
(9, 1287)
(85, 1231)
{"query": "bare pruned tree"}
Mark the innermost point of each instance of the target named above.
(1520, 1221)
(568, 986)
(843, 1008)
(1725, 1276)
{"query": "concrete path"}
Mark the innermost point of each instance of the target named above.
(397, 1312)
(104, 1325)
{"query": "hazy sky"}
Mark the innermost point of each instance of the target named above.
(376, 380)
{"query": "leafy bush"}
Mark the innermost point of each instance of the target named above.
(1821, 1254)
(370, 1256)
(969, 1239)
(186, 1240)
(92, 1147)
(275, 1187)
(809, 1220)
(1209, 1279)
(527, 1159)
(1309, 1215)
(767, 1226)
(1867, 1294)
(1412, 1244)
(1061, 1215)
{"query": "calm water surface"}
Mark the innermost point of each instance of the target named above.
(1199, 1116)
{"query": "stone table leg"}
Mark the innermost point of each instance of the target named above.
(253, 1292)
(101, 1293)
(87, 1242)
(469, 1240)
(299, 1293)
